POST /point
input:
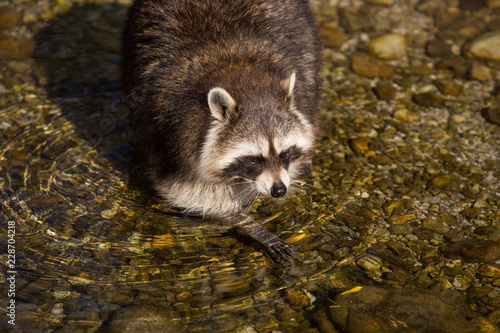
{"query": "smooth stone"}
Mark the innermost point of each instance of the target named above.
(368, 66)
(378, 310)
(492, 114)
(379, 159)
(470, 213)
(472, 5)
(484, 231)
(354, 19)
(17, 48)
(445, 182)
(393, 207)
(406, 115)
(390, 46)
(401, 219)
(370, 263)
(359, 145)
(381, 2)
(436, 225)
(490, 269)
(332, 36)
(9, 17)
(141, 318)
(428, 99)
(438, 48)
(479, 71)
(458, 65)
(401, 229)
(493, 4)
(449, 87)
(486, 46)
(473, 250)
(385, 91)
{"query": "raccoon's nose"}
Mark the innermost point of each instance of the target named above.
(278, 190)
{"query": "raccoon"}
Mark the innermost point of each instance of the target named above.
(223, 96)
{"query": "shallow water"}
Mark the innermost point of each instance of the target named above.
(95, 251)
(89, 239)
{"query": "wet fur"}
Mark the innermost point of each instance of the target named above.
(176, 51)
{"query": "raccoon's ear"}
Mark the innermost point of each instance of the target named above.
(288, 84)
(221, 104)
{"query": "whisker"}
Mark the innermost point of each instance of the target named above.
(244, 182)
(248, 193)
(253, 198)
(300, 183)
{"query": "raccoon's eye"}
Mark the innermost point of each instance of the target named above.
(254, 160)
(285, 155)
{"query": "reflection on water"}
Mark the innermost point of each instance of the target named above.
(92, 246)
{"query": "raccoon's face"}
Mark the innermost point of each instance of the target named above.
(262, 147)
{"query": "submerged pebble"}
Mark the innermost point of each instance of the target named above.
(473, 250)
(485, 46)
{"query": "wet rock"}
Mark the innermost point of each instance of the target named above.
(373, 309)
(87, 317)
(324, 324)
(183, 296)
(266, 323)
(490, 269)
(9, 17)
(495, 24)
(379, 159)
(393, 207)
(401, 229)
(436, 225)
(355, 19)
(458, 65)
(385, 91)
(470, 213)
(16, 47)
(494, 317)
(493, 4)
(483, 231)
(224, 323)
(299, 298)
(359, 145)
(141, 318)
(479, 71)
(368, 66)
(428, 99)
(473, 250)
(332, 36)
(390, 46)
(438, 48)
(227, 285)
(492, 114)
(445, 182)
(381, 2)
(370, 263)
(406, 115)
(486, 46)
(245, 329)
(339, 166)
(472, 5)
(449, 87)
(401, 219)
(451, 63)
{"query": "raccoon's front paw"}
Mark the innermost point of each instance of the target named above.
(281, 251)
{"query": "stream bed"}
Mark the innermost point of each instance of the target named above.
(397, 227)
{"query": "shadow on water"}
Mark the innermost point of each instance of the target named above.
(93, 248)
(79, 54)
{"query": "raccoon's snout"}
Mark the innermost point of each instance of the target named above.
(278, 190)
